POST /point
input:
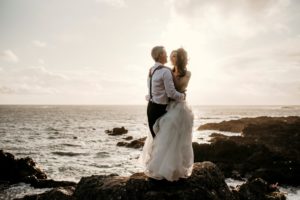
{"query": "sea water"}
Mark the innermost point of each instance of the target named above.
(69, 141)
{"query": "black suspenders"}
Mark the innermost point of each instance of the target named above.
(150, 75)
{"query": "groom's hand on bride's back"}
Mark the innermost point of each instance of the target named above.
(147, 97)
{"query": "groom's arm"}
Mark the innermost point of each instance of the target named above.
(170, 87)
(147, 97)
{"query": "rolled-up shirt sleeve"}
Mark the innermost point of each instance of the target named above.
(170, 87)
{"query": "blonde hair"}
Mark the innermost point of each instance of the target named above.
(156, 52)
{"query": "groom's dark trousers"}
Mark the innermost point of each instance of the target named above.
(154, 111)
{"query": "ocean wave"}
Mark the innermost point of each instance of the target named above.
(63, 153)
(102, 154)
(71, 145)
(100, 165)
(51, 129)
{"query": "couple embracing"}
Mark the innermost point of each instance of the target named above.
(167, 152)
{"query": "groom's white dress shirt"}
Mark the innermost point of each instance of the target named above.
(163, 86)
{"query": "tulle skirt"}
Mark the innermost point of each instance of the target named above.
(170, 154)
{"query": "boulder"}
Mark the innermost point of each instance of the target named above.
(47, 183)
(61, 193)
(268, 148)
(258, 189)
(128, 138)
(117, 131)
(136, 144)
(206, 182)
(25, 170)
(16, 170)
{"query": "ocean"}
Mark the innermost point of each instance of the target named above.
(69, 141)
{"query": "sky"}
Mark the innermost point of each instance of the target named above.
(241, 52)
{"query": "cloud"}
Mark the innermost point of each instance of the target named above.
(38, 43)
(229, 7)
(114, 3)
(283, 56)
(6, 90)
(245, 51)
(9, 56)
(74, 37)
(39, 80)
(270, 73)
(31, 80)
(242, 18)
(41, 61)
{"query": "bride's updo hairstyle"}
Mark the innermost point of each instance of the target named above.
(181, 61)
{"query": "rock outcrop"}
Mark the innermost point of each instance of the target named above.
(15, 170)
(117, 131)
(206, 182)
(60, 193)
(25, 170)
(47, 183)
(268, 148)
(136, 144)
(257, 189)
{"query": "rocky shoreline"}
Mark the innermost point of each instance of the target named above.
(206, 182)
(269, 148)
(265, 154)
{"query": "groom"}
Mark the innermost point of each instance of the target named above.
(161, 87)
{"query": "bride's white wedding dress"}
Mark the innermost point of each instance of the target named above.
(170, 154)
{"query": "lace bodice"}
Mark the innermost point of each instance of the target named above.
(181, 83)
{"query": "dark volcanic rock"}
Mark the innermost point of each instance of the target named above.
(117, 131)
(258, 189)
(206, 182)
(128, 138)
(24, 170)
(217, 136)
(121, 144)
(16, 170)
(240, 124)
(268, 148)
(138, 143)
(61, 193)
(47, 183)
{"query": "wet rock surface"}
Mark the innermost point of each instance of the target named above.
(206, 182)
(60, 193)
(25, 170)
(268, 148)
(136, 144)
(117, 131)
(14, 170)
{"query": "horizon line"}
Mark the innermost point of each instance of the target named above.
(1, 104)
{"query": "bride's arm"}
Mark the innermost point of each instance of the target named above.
(170, 87)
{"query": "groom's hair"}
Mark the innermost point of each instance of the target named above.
(156, 52)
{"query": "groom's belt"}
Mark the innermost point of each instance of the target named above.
(170, 99)
(151, 101)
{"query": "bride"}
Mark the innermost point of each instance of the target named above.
(170, 154)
